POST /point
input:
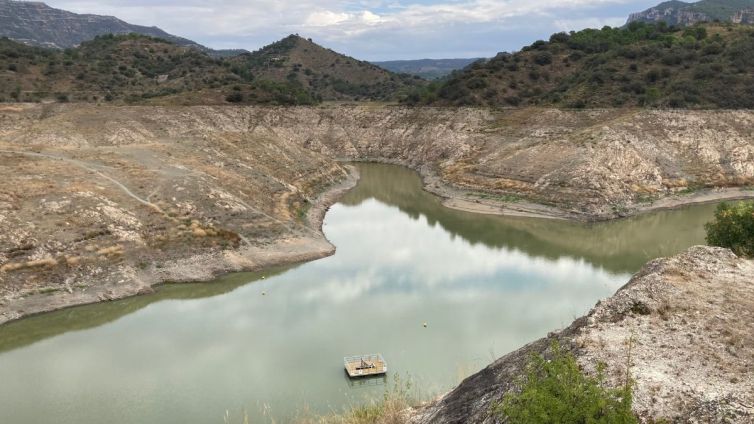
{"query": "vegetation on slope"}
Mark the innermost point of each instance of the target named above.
(136, 68)
(323, 72)
(733, 227)
(720, 9)
(703, 66)
(557, 391)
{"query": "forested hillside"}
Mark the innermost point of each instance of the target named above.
(703, 66)
(135, 68)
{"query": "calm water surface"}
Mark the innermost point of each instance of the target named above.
(485, 285)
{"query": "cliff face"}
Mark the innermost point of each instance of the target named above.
(687, 319)
(682, 13)
(743, 17)
(38, 24)
(673, 13)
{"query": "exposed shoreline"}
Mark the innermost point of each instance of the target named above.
(135, 205)
(199, 268)
(534, 210)
(292, 250)
(459, 199)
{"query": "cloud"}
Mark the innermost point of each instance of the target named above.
(369, 29)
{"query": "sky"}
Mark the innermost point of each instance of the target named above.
(369, 29)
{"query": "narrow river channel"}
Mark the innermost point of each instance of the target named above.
(273, 347)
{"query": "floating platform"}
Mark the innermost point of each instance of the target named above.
(365, 365)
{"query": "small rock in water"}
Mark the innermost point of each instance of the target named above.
(264, 293)
(425, 325)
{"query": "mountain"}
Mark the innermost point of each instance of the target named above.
(649, 65)
(324, 73)
(429, 69)
(682, 13)
(140, 69)
(38, 24)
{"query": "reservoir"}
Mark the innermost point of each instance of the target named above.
(273, 347)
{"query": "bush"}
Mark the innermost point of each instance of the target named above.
(556, 391)
(733, 227)
(234, 97)
(544, 58)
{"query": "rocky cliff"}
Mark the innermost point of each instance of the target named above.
(687, 320)
(743, 17)
(682, 13)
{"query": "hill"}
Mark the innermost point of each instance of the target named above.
(38, 24)
(703, 66)
(429, 69)
(682, 13)
(324, 73)
(135, 69)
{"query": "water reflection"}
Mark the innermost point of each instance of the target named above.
(618, 246)
(484, 285)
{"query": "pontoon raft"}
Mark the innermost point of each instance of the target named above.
(365, 365)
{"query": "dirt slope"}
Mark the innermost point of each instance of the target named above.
(103, 203)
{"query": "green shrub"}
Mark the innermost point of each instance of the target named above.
(234, 97)
(557, 391)
(544, 58)
(733, 228)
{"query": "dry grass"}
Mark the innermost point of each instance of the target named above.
(387, 411)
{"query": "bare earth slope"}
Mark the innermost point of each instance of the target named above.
(596, 164)
(103, 202)
(100, 203)
(689, 319)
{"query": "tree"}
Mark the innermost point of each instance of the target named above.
(733, 227)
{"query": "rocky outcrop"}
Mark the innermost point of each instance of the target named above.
(743, 17)
(672, 12)
(682, 13)
(687, 320)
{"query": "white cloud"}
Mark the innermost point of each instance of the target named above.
(367, 28)
(326, 18)
(569, 24)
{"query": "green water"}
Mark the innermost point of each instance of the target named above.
(485, 285)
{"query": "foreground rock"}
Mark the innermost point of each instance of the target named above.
(688, 320)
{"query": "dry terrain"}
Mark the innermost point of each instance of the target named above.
(101, 202)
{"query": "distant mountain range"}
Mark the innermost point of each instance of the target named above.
(426, 68)
(682, 13)
(38, 24)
